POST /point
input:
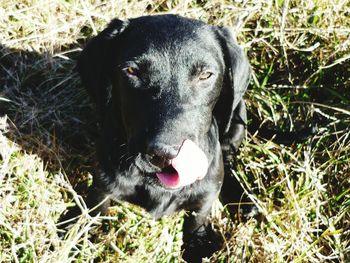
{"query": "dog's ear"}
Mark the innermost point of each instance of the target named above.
(236, 80)
(94, 63)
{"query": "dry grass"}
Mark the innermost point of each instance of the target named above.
(300, 55)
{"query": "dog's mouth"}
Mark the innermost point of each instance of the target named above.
(169, 177)
(190, 165)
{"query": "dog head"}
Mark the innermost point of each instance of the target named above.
(170, 77)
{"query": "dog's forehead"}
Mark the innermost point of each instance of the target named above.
(167, 26)
(177, 37)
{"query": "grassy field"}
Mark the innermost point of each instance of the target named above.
(300, 55)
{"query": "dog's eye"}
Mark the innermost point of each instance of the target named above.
(131, 71)
(205, 75)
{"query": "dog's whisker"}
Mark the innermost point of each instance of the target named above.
(121, 160)
(130, 158)
(123, 156)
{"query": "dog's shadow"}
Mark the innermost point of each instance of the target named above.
(49, 113)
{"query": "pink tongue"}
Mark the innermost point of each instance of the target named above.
(190, 164)
(171, 180)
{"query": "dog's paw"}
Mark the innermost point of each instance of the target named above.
(201, 244)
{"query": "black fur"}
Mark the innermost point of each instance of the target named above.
(145, 118)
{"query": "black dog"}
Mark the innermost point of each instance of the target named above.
(169, 93)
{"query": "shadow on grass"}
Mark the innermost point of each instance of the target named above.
(49, 112)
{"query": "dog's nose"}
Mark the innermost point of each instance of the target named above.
(161, 155)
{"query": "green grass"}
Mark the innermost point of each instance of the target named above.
(300, 54)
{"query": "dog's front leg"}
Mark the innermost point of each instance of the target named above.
(200, 240)
(97, 200)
